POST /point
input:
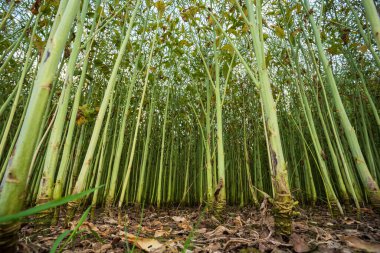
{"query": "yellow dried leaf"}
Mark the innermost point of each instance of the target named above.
(279, 31)
(363, 48)
(160, 5)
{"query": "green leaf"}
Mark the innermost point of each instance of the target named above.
(229, 48)
(59, 240)
(184, 43)
(335, 49)
(48, 205)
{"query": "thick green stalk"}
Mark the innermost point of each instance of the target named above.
(14, 181)
(369, 183)
(52, 153)
(220, 191)
(80, 184)
(283, 203)
(373, 18)
(67, 148)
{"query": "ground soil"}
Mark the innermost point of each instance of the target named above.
(196, 230)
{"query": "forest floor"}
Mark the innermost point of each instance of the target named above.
(194, 230)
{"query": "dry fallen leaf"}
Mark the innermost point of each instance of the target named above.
(213, 247)
(182, 223)
(161, 233)
(88, 226)
(179, 219)
(238, 222)
(357, 243)
(149, 245)
(201, 230)
(299, 243)
(104, 248)
(110, 221)
(220, 230)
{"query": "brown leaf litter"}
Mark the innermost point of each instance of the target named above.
(192, 230)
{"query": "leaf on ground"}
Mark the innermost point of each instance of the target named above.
(104, 248)
(349, 221)
(238, 222)
(88, 226)
(182, 223)
(213, 247)
(110, 221)
(149, 245)
(299, 243)
(179, 219)
(220, 230)
(201, 230)
(357, 243)
(161, 233)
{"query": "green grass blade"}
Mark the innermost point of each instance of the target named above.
(80, 222)
(46, 206)
(59, 240)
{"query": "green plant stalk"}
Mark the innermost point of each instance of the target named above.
(11, 147)
(67, 148)
(120, 140)
(283, 203)
(110, 166)
(130, 162)
(220, 190)
(210, 185)
(17, 170)
(102, 158)
(142, 179)
(311, 192)
(52, 153)
(185, 194)
(170, 173)
(7, 15)
(15, 48)
(367, 147)
(331, 196)
(347, 170)
(8, 100)
(80, 184)
(369, 183)
(161, 168)
(366, 92)
(258, 170)
(373, 18)
(362, 33)
(247, 167)
(19, 86)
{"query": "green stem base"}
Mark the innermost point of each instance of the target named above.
(283, 213)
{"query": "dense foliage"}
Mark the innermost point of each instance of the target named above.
(190, 102)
